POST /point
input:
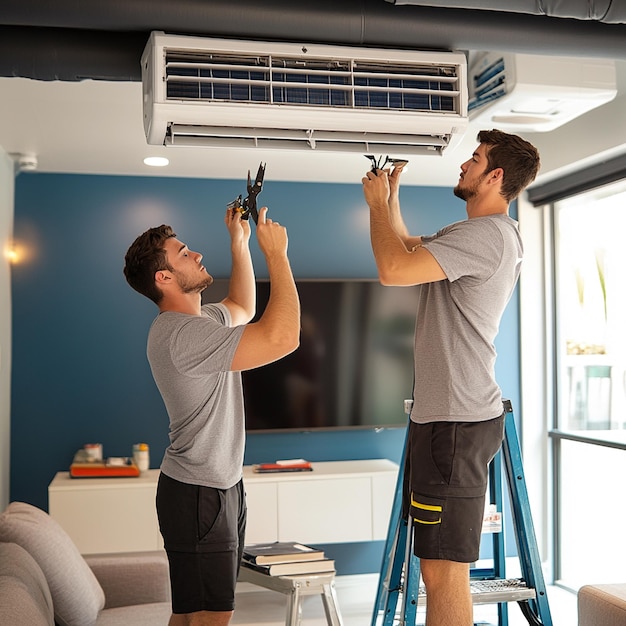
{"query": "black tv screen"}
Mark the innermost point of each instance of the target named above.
(354, 366)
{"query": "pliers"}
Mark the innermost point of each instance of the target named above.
(379, 164)
(248, 207)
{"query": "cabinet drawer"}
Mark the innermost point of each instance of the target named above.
(325, 511)
(102, 521)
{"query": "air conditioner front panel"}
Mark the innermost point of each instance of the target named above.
(209, 83)
(523, 92)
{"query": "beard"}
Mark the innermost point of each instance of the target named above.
(465, 193)
(193, 286)
(471, 191)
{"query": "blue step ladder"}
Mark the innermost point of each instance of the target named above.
(400, 572)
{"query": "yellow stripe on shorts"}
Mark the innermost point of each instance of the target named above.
(426, 507)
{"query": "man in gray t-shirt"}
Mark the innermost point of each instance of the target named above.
(465, 274)
(196, 354)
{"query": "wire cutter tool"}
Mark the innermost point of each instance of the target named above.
(379, 164)
(248, 207)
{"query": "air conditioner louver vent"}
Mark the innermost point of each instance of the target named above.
(216, 92)
(311, 82)
(288, 139)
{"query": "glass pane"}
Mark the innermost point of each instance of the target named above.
(592, 514)
(591, 309)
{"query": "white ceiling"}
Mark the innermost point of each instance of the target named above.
(95, 127)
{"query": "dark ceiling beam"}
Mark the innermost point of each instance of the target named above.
(607, 11)
(47, 40)
(69, 54)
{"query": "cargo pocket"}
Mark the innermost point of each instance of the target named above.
(426, 511)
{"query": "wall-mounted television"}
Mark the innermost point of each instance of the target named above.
(354, 366)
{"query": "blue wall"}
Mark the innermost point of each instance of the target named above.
(79, 332)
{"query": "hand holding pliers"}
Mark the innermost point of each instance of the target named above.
(379, 164)
(248, 207)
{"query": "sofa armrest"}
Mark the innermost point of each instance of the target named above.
(132, 578)
(602, 604)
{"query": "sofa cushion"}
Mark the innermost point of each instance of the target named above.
(76, 594)
(24, 595)
(140, 615)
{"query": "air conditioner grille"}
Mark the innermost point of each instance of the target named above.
(317, 82)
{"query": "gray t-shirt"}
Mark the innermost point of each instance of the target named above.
(458, 319)
(190, 357)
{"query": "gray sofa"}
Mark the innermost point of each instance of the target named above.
(44, 580)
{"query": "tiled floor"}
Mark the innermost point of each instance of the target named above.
(356, 595)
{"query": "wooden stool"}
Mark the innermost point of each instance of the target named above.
(296, 587)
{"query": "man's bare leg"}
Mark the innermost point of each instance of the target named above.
(201, 618)
(448, 597)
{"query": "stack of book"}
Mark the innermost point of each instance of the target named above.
(286, 558)
(290, 465)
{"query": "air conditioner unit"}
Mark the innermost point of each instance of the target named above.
(527, 92)
(230, 93)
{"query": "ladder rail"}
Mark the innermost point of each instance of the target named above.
(389, 584)
(530, 560)
(499, 554)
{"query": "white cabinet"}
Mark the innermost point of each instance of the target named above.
(339, 501)
(107, 514)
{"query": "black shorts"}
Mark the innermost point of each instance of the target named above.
(445, 482)
(203, 530)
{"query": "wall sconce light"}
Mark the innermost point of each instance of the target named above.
(11, 253)
(17, 253)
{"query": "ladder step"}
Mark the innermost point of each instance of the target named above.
(493, 591)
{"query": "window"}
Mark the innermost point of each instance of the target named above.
(591, 310)
(588, 433)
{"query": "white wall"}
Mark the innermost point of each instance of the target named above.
(535, 322)
(7, 186)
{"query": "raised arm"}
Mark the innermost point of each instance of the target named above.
(277, 333)
(241, 298)
(395, 216)
(400, 259)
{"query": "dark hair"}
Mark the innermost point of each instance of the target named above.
(145, 257)
(518, 158)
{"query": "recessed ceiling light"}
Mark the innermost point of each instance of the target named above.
(156, 161)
